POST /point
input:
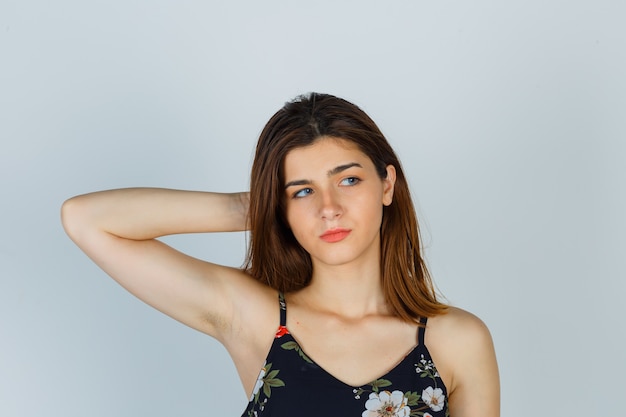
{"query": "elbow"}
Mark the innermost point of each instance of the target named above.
(72, 216)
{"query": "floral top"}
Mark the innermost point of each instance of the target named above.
(291, 384)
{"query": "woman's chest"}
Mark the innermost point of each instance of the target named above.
(292, 383)
(343, 349)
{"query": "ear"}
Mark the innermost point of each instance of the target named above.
(388, 185)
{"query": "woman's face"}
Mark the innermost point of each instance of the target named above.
(334, 201)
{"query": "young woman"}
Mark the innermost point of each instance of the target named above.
(334, 313)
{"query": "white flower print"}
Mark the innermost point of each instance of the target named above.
(427, 367)
(434, 398)
(259, 383)
(386, 404)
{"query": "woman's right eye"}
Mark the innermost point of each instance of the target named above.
(302, 193)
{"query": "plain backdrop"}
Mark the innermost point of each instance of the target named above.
(509, 117)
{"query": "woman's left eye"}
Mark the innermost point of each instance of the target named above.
(350, 181)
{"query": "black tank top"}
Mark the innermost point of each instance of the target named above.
(290, 384)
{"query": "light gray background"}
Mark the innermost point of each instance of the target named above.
(509, 118)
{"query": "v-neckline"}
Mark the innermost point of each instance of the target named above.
(386, 374)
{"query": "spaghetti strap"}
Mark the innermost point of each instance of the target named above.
(421, 330)
(283, 309)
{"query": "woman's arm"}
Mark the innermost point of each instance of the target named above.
(117, 229)
(146, 213)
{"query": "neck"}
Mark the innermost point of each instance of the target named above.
(347, 290)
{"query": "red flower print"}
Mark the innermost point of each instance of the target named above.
(282, 330)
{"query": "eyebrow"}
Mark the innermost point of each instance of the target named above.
(330, 173)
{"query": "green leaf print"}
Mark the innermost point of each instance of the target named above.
(271, 375)
(270, 381)
(274, 383)
(412, 398)
(268, 384)
(294, 346)
(380, 383)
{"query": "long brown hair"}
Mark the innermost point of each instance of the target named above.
(274, 255)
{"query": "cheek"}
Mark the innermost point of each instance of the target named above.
(300, 222)
(300, 234)
(294, 216)
(288, 215)
(372, 209)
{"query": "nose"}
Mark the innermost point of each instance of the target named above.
(330, 206)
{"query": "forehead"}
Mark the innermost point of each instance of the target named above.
(325, 153)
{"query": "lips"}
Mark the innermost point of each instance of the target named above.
(335, 235)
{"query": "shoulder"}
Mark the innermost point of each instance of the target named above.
(457, 326)
(456, 340)
(462, 349)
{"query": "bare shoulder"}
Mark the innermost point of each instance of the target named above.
(458, 326)
(462, 349)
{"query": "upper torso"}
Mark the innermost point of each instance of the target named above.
(293, 383)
